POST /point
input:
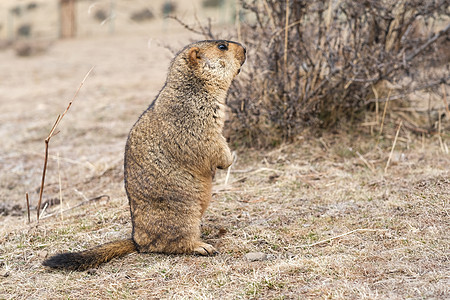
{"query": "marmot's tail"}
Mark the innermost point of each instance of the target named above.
(80, 261)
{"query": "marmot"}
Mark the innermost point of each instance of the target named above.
(171, 156)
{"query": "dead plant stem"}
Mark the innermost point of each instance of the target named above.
(369, 165)
(78, 205)
(339, 236)
(50, 135)
(444, 98)
(269, 13)
(28, 208)
(441, 142)
(393, 147)
(60, 188)
(443, 80)
(384, 114)
(427, 43)
(238, 22)
(286, 32)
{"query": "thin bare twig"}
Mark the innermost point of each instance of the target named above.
(428, 43)
(339, 236)
(60, 187)
(50, 135)
(28, 208)
(206, 30)
(286, 32)
(238, 21)
(369, 165)
(441, 142)
(269, 13)
(254, 171)
(444, 98)
(185, 25)
(384, 114)
(81, 194)
(403, 95)
(418, 130)
(45, 207)
(78, 205)
(393, 147)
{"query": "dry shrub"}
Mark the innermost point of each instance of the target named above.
(327, 62)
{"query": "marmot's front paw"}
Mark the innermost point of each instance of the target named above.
(227, 160)
(222, 167)
(205, 249)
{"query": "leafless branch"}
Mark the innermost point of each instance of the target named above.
(52, 133)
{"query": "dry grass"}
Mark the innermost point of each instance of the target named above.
(278, 202)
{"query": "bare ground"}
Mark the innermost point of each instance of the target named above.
(332, 223)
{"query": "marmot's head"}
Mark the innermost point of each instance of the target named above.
(215, 62)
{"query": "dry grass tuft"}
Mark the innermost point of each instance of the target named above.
(330, 227)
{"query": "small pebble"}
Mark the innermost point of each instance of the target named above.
(256, 256)
(92, 271)
(4, 273)
(43, 254)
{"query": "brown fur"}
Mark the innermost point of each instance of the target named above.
(171, 156)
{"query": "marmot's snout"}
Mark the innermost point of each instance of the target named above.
(240, 53)
(245, 53)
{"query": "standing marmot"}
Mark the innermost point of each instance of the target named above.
(171, 156)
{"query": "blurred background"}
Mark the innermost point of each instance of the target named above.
(51, 19)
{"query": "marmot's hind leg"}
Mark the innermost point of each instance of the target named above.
(178, 247)
(167, 233)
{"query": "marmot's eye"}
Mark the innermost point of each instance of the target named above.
(222, 47)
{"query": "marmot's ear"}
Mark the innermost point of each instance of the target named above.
(193, 55)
